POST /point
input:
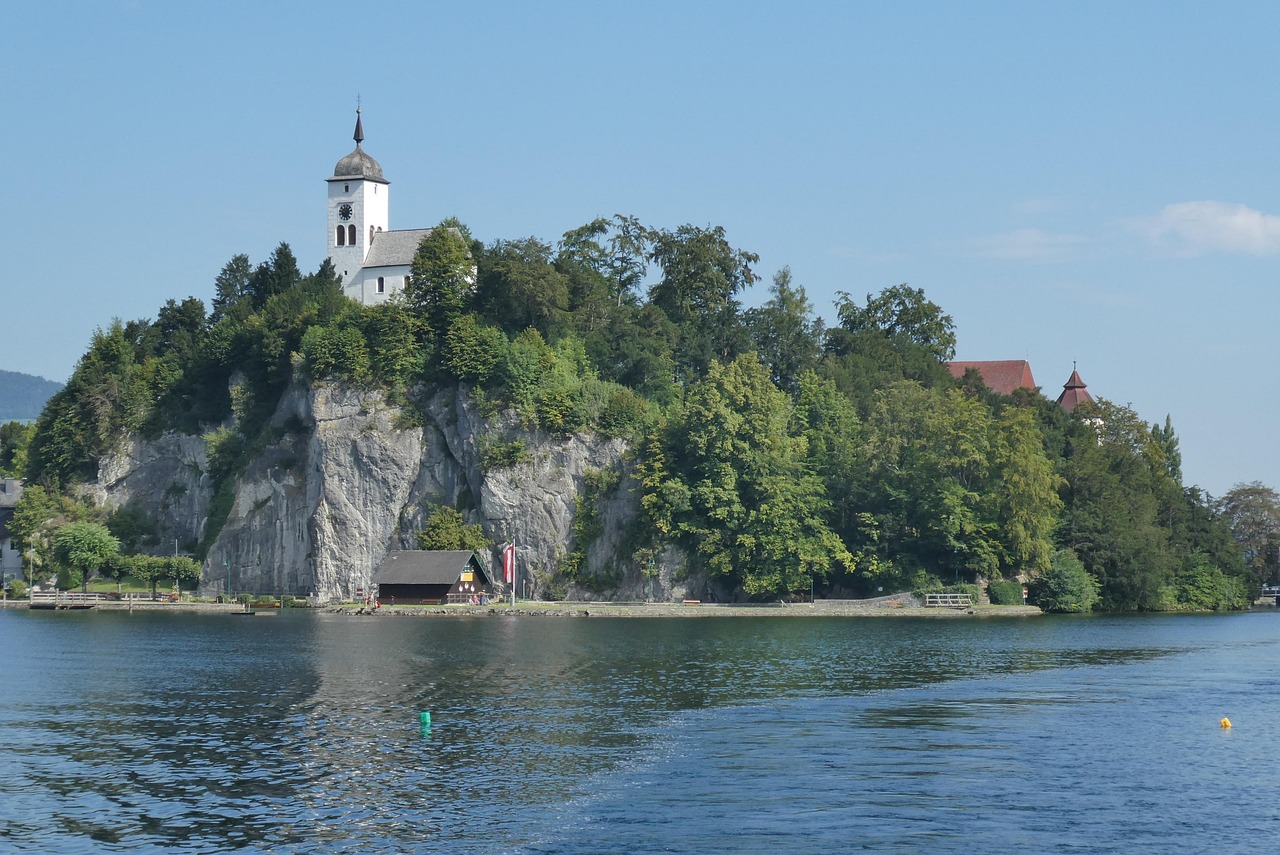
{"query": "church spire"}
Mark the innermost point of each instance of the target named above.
(359, 134)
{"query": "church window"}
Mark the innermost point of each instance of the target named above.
(351, 235)
(346, 188)
(381, 286)
(342, 235)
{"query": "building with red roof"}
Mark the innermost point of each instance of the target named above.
(1074, 393)
(1002, 376)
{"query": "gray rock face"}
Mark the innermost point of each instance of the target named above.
(349, 479)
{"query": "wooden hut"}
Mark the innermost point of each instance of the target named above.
(431, 576)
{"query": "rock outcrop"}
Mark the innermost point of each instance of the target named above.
(349, 477)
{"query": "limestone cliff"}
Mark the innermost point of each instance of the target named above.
(347, 478)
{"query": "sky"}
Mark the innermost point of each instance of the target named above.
(1075, 183)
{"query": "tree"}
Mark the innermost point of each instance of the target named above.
(1066, 587)
(785, 333)
(519, 288)
(15, 437)
(274, 276)
(447, 529)
(1253, 510)
(902, 311)
(701, 276)
(726, 480)
(83, 547)
(441, 279)
(231, 285)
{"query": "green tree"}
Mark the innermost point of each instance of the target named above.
(274, 276)
(446, 528)
(1066, 587)
(701, 277)
(441, 279)
(727, 481)
(902, 311)
(231, 285)
(15, 437)
(1253, 511)
(83, 547)
(519, 288)
(786, 335)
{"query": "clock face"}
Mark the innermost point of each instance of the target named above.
(344, 211)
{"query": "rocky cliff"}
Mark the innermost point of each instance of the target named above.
(349, 477)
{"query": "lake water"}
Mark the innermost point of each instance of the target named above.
(300, 733)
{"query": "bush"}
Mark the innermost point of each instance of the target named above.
(17, 589)
(1067, 587)
(244, 598)
(503, 455)
(1004, 593)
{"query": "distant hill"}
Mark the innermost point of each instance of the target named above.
(22, 396)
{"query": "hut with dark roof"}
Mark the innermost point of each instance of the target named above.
(418, 576)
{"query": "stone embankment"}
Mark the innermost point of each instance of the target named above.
(902, 605)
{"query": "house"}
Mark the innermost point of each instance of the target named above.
(10, 557)
(1002, 376)
(431, 576)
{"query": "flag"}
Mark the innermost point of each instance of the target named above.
(509, 564)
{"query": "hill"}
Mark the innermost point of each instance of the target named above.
(23, 396)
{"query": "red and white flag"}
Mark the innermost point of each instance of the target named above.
(509, 564)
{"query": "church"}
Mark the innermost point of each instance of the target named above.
(372, 260)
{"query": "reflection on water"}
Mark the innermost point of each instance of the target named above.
(300, 732)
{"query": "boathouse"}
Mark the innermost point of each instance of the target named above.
(420, 576)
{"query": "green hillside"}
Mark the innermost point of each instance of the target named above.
(23, 396)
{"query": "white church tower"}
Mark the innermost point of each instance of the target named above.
(373, 262)
(358, 210)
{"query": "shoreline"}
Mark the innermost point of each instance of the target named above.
(903, 605)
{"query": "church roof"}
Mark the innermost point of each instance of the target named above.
(358, 164)
(1001, 376)
(1074, 393)
(394, 248)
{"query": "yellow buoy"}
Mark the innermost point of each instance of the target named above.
(1225, 723)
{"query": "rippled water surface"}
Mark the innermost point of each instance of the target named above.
(300, 733)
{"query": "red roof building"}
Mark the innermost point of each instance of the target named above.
(1001, 376)
(1074, 393)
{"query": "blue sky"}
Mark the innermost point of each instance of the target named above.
(1070, 181)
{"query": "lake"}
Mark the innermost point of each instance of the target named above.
(300, 733)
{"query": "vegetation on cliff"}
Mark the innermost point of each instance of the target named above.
(777, 454)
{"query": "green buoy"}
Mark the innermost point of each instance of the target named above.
(424, 722)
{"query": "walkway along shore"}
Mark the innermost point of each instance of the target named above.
(900, 605)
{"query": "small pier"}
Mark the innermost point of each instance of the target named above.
(59, 600)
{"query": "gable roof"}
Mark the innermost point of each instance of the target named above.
(1074, 393)
(1001, 376)
(394, 248)
(426, 567)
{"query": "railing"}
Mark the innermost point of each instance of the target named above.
(951, 600)
(65, 599)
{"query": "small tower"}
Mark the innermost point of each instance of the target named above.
(1074, 392)
(358, 206)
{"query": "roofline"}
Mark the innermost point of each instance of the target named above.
(357, 178)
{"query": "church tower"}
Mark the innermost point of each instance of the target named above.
(358, 209)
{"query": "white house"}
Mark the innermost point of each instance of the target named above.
(373, 261)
